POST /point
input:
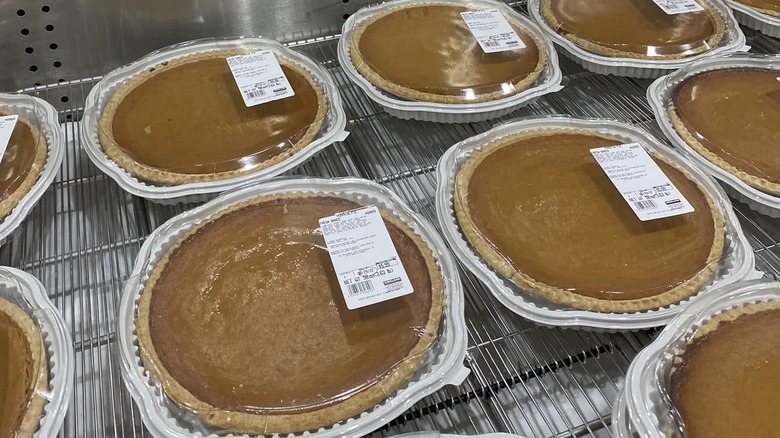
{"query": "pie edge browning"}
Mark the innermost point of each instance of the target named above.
(712, 41)
(32, 416)
(164, 177)
(399, 90)
(708, 327)
(759, 10)
(298, 422)
(753, 181)
(560, 296)
(36, 168)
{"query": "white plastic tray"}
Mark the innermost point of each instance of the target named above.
(736, 265)
(331, 131)
(40, 112)
(766, 24)
(733, 41)
(548, 82)
(20, 287)
(445, 367)
(647, 408)
(659, 95)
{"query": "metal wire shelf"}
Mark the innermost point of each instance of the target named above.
(82, 238)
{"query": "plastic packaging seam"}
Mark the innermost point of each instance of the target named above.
(453, 323)
(659, 95)
(764, 23)
(551, 71)
(50, 127)
(333, 128)
(730, 43)
(741, 265)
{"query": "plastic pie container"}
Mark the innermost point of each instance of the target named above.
(548, 82)
(41, 115)
(26, 292)
(736, 263)
(443, 362)
(332, 129)
(660, 96)
(733, 41)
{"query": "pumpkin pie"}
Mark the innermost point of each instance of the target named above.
(724, 381)
(426, 52)
(21, 164)
(731, 118)
(23, 372)
(265, 343)
(634, 29)
(185, 121)
(541, 212)
(769, 7)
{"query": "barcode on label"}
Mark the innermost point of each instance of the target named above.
(644, 205)
(360, 287)
(492, 43)
(256, 93)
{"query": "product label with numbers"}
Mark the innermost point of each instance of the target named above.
(259, 77)
(7, 124)
(673, 7)
(492, 31)
(642, 183)
(366, 262)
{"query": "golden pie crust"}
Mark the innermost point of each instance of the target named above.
(31, 332)
(269, 423)
(751, 180)
(36, 168)
(497, 262)
(165, 177)
(769, 12)
(375, 78)
(711, 326)
(714, 40)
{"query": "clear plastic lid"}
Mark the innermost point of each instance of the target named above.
(768, 7)
(661, 400)
(278, 350)
(184, 117)
(739, 95)
(33, 152)
(426, 51)
(37, 373)
(429, 65)
(636, 29)
(570, 250)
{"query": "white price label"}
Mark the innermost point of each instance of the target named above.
(641, 182)
(364, 257)
(492, 31)
(673, 7)
(259, 77)
(7, 124)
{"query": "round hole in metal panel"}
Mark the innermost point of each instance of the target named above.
(20, 12)
(53, 46)
(25, 31)
(49, 27)
(345, 16)
(57, 64)
(45, 8)
(33, 68)
(29, 50)
(64, 99)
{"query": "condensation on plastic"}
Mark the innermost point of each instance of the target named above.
(42, 118)
(440, 366)
(26, 293)
(755, 19)
(549, 81)
(648, 405)
(660, 96)
(736, 261)
(245, 158)
(733, 40)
